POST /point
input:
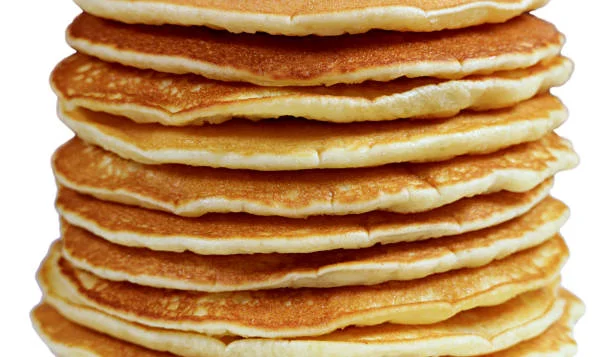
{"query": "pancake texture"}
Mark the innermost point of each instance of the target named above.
(312, 312)
(558, 340)
(237, 233)
(266, 178)
(146, 96)
(533, 324)
(403, 188)
(368, 266)
(65, 338)
(309, 61)
(298, 144)
(301, 17)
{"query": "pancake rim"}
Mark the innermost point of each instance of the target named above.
(396, 18)
(476, 93)
(431, 68)
(286, 244)
(499, 242)
(159, 339)
(425, 145)
(514, 180)
(403, 314)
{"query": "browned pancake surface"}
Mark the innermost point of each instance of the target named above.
(303, 312)
(183, 99)
(61, 333)
(266, 59)
(234, 233)
(295, 7)
(303, 17)
(92, 170)
(257, 271)
(297, 144)
(555, 339)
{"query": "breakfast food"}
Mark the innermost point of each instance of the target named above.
(306, 178)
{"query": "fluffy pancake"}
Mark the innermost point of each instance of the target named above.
(368, 266)
(147, 96)
(498, 327)
(301, 17)
(311, 312)
(404, 188)
(299, 144)
(238, 233)
(308, 61)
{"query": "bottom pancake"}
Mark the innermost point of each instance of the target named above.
(533, 324)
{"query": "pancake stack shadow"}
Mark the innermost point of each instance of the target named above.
(305, 178)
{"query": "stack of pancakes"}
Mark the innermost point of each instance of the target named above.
(309, 178)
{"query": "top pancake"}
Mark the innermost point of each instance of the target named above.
(302, 17)
(306, 61)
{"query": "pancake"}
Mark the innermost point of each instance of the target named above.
(482, 330)
(558, 340)
(65, 338)
(147, 96)
(303, 17)
(238, 233)
(298, 144)
(309, 61)
(311, 312)
(403, 188)
(368, 266)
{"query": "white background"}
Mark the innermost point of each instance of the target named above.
(32, 42)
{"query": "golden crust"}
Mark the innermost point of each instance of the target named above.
(529, 325)
(302, 17)
(307, 61)
(311, 312)
(297, 144)
(238, 233)
(367, 266)
(147, 96)
(400, 188)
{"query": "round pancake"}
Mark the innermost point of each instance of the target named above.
(403, 188)
(147, 96)
(506, 326)
(310, 61)
(238, 233)
(312, 312)
(302, 17)
(368, 266)
(299, 144)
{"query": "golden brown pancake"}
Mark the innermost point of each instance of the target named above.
(403, 188)
(309, 61)
(239, 233)
(558, 340)
(299, 144)
(65, 338)
(522, 325)
(368, 266)
(302, 17)
(311, 312)
(147, 96)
